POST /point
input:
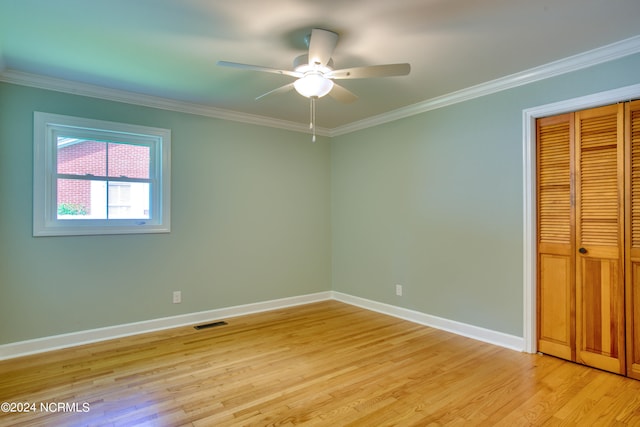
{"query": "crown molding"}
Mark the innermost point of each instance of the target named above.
(94, 91)
(580, 61)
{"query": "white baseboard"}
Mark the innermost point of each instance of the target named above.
(40, 345)
(481, 334)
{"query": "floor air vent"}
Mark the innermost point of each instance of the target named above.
(210, 325)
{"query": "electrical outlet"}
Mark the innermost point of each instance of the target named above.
(399, 290)
(177, 297)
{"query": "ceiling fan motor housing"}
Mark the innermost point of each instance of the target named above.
(303, 60)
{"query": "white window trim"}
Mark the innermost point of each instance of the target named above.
(45, 221)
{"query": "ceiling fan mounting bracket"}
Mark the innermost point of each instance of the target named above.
(307, 38)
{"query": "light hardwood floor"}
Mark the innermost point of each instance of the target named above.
(326, 364)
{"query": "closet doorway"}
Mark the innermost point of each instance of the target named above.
(588, 233)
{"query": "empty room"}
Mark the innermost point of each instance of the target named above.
(324, 213)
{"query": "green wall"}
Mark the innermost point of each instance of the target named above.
(250, 222)
(434, 202)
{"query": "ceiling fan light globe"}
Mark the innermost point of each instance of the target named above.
(313, 85)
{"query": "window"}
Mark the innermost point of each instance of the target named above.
(97, 177)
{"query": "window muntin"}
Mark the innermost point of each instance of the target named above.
(95, 177)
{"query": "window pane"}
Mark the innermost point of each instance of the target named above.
(128, 200)
(85, 199)
(81, 199)
(131, 161)
(81, 157)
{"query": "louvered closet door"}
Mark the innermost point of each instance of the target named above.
(600, 330)
(632, 134)
(556, 262)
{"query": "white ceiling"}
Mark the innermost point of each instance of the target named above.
(169, 48)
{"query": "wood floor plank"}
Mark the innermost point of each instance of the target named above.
(321, 364)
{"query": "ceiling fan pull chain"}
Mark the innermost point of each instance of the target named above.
(313, 118)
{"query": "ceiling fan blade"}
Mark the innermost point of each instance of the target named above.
(258, 68)
(321, 46)
(281, 89)
(387, 70)
(343, 95)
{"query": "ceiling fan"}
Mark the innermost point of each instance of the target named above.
(315, 75)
